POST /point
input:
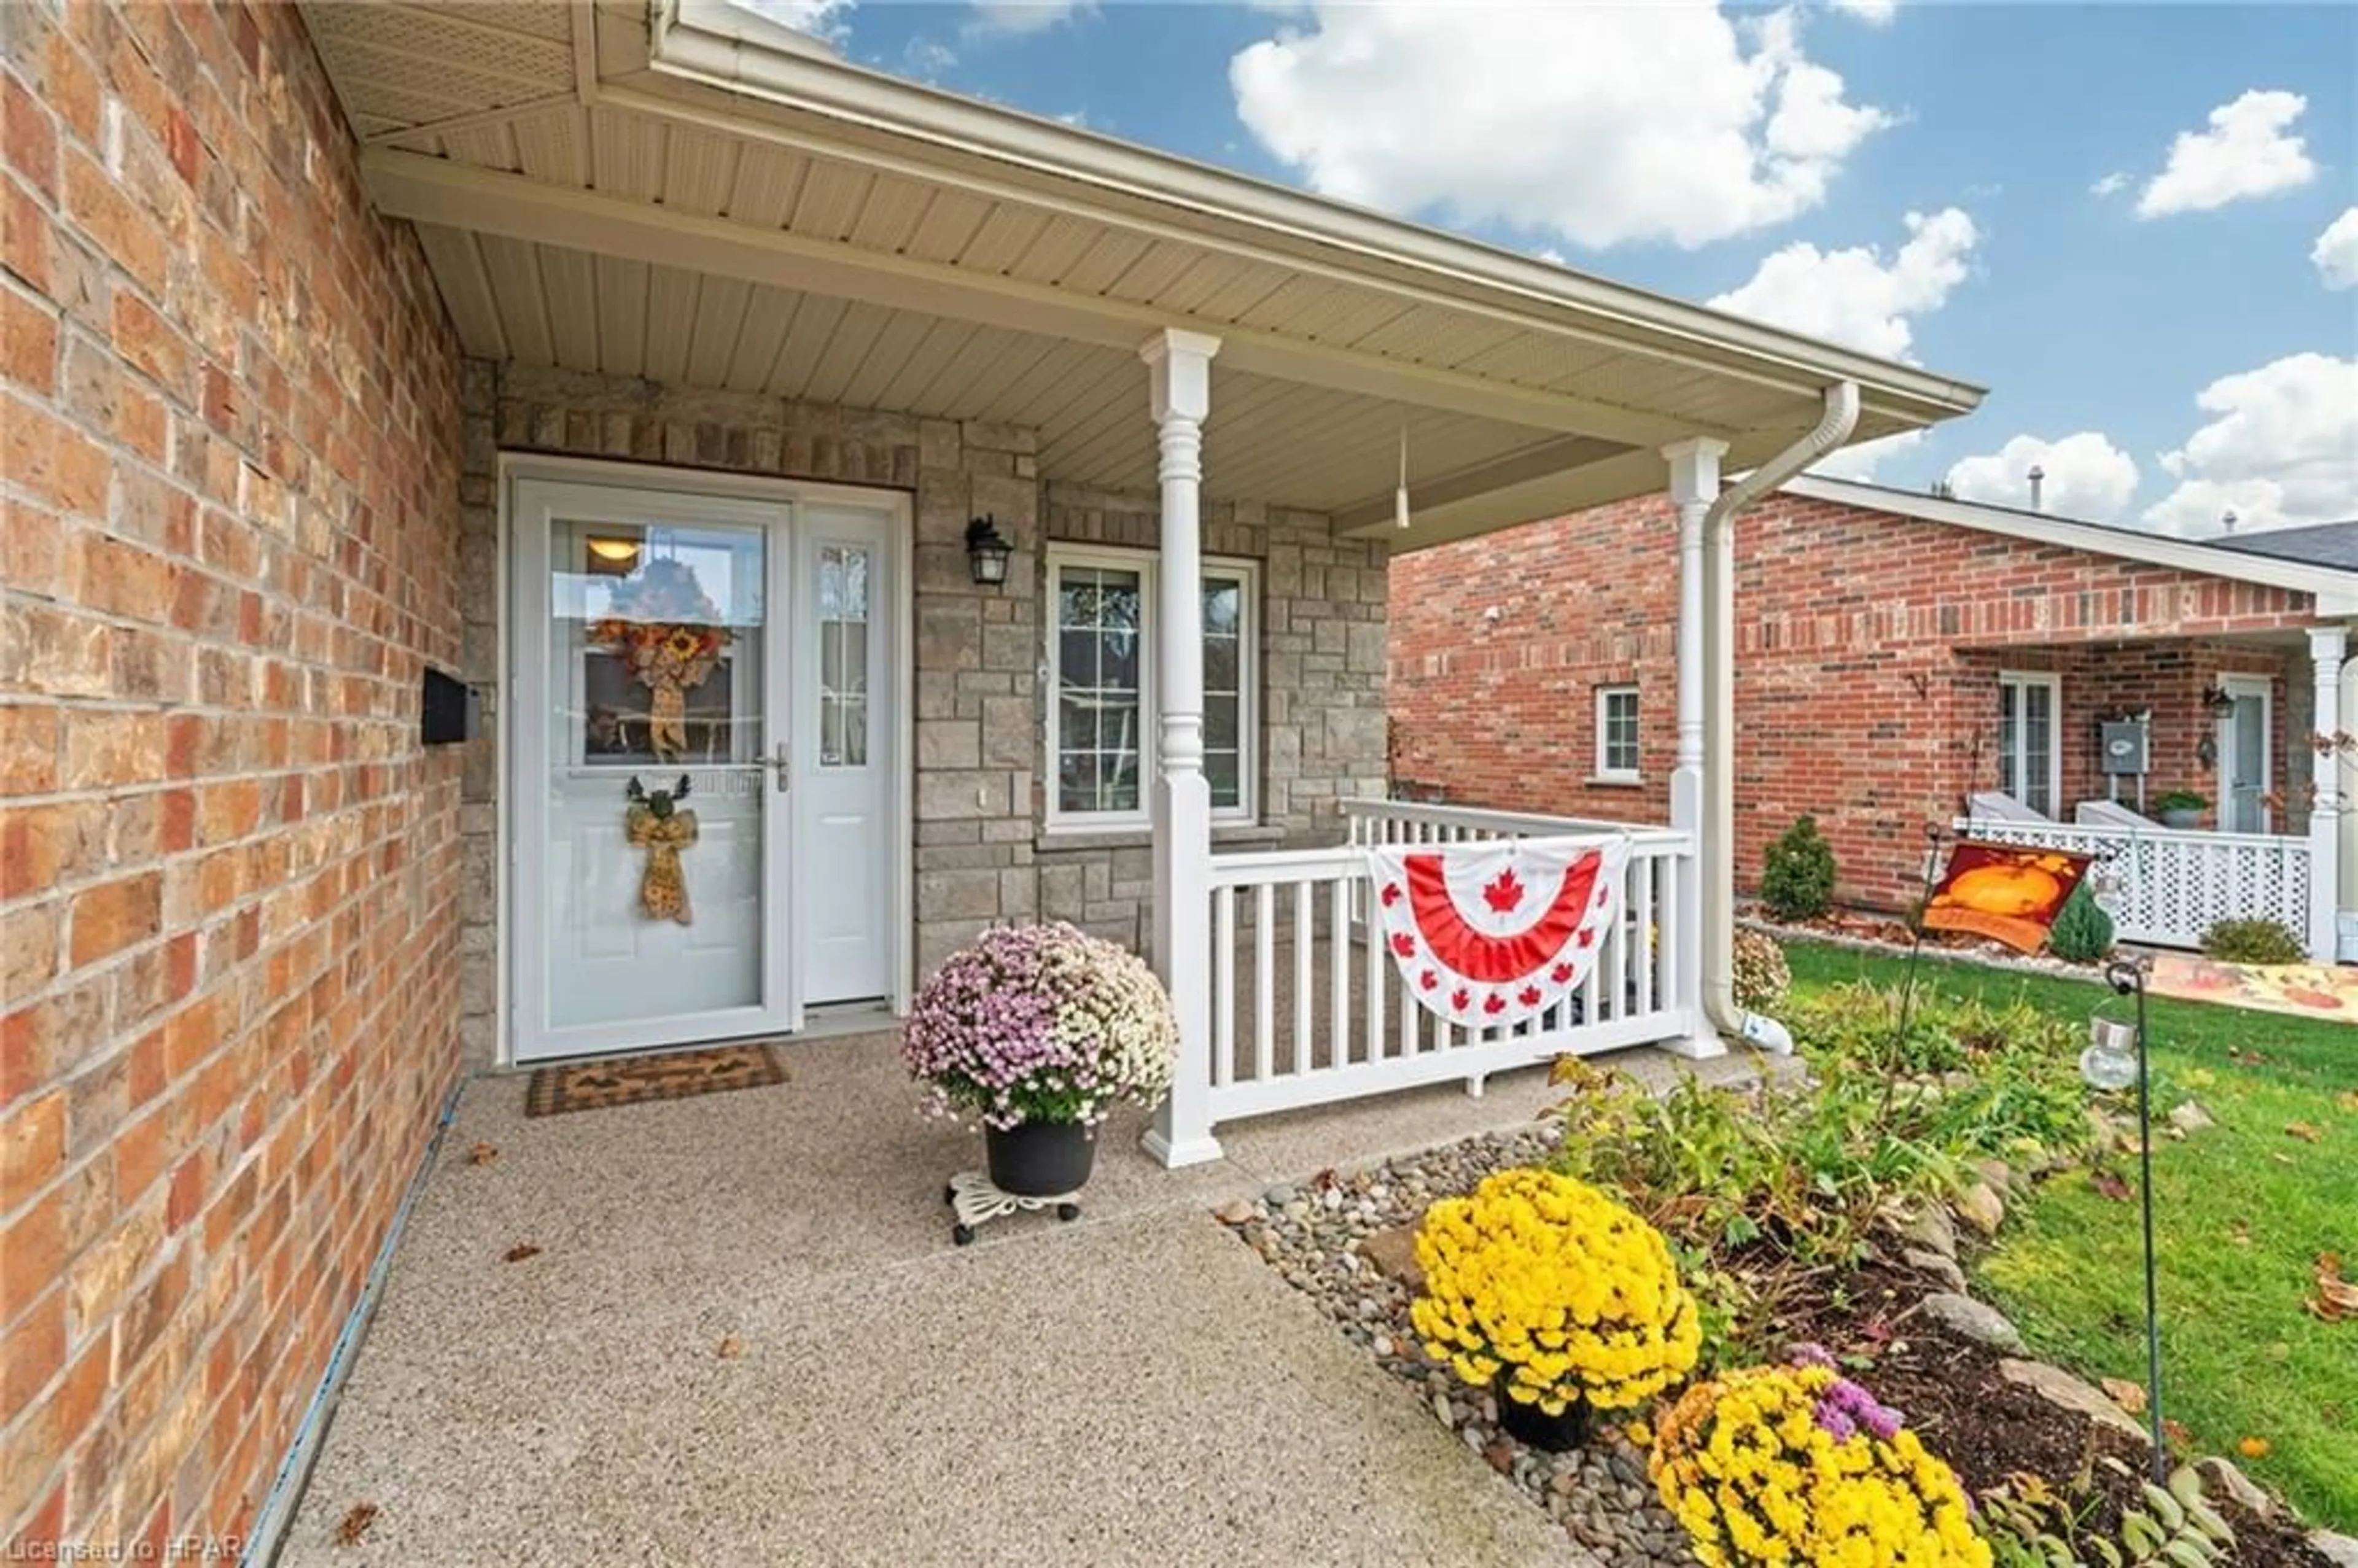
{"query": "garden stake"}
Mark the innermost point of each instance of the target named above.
(1933, 835)
(2126, 976)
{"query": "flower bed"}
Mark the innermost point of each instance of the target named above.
(1782, 1208)
(1340, 1241)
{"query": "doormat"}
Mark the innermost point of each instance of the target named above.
(633, 1080)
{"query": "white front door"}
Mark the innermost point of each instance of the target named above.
(703, 811)
(2243, 746)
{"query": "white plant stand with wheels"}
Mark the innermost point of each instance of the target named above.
(975, 1201)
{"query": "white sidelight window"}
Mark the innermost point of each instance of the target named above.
(1616, 734)
(1101, 724)
(2030, 739)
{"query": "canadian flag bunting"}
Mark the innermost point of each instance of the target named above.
(1493, 934)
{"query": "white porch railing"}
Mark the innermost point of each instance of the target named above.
(1308, 1008)
(2170, 884)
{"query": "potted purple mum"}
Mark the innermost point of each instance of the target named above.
(1035, 1032)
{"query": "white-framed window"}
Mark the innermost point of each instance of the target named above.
(2030, 737)
(1101, 685)
(1616, 734)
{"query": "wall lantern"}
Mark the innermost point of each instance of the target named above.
(987, 550)
(2218, 702)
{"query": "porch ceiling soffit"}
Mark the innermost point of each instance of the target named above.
(1079, 243)
(434, 191)
(1270, 440)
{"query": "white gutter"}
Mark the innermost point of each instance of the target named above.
(1718, 843)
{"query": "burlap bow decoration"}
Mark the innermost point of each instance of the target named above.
(654, 823)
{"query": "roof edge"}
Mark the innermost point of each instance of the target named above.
(710, 41)
(2335, 591)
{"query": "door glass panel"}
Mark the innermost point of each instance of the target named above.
(843, 657)
(2248, 766)
(2039, 755)
(655, 787)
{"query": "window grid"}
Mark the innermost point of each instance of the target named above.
(1100, 702)
(842, 657)
(1102, 738)
(2030, 705)
(1616, 732)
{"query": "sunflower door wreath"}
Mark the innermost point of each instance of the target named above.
(668, 633)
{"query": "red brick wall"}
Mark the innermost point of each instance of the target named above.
(1867, 651)
(228, 871)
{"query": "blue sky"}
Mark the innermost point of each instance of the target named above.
(2123, 217)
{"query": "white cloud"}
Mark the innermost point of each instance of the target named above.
(1864, 462)
(1025, 15)
(2281, 448)
(2112, 184)
(1874, 13)
(1856, 295)
(2336, 254)
(1600, 123)
(2085, 476)
(2246, 152)
(819, 18)
(926, 59)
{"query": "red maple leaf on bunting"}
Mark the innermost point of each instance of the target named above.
(1459, 998)
(1404, 944)
(1392, 894)
(1529, 996)
(1428, 980)
(1503, 894)
(1560, 973)
(1588, 936)
(1494, 1003)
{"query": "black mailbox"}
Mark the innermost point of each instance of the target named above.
(447, 710)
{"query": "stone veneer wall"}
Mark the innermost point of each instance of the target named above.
(229, 871)
(980, 855)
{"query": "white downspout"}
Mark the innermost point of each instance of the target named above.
(1718, 843)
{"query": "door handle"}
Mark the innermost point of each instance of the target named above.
(778, 766)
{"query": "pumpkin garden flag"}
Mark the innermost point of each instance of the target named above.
(1496, 933)
(2011, 893)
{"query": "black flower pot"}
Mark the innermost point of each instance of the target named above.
(1040, 1159)
(1534, 1428)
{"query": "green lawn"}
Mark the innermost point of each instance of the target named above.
(2243, 1211)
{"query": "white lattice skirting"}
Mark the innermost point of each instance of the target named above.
(2166, 887)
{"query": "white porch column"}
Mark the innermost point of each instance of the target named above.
(2328, 645)
(1179, 366)
(1694, 485)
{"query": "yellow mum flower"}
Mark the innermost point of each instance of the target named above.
(1556, 1280)
(1756, 1477)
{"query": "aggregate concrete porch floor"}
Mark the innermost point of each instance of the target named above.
(1135, 1387)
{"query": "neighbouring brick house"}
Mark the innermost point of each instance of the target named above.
(1894, 654)
(351, 347)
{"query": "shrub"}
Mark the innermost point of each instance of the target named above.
(1797, 874)
(1039, 1023)
(1556, 1291)
(1762, 978)
(1805, 1166)
(2180, 800)
(2082, 932)
(2252, 942)
(1797, 1463)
